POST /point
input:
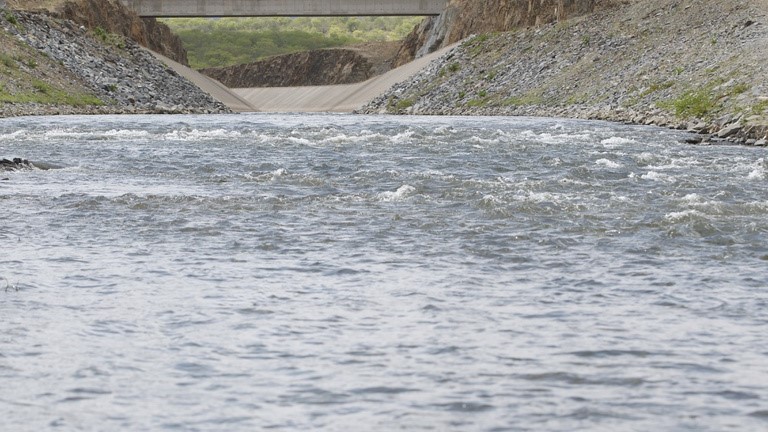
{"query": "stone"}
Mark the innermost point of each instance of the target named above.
(729, 130)
(761, 143)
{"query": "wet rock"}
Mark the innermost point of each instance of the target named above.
(729, 130)
(15, 164)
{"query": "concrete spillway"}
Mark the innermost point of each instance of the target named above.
(334, 98)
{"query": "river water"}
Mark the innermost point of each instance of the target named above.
(349, 273)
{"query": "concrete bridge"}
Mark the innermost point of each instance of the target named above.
(243, 8)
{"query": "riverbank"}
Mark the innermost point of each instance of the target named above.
(694, 65)
(52, 66)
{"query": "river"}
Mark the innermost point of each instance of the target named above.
(342, 273)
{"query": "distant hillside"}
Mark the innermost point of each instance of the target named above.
(231, 41)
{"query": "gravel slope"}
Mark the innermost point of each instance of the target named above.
(698, 64)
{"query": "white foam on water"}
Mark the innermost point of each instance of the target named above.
(657, 176)
(758, 170)
(683, 215)
(538, 197)
(200, 135)
(614, 142)
(401, 193)
(692, 198)
(337, 139)
(608, 163)
(402, 137)
(302, 141)
(126, 133)
(479, 140)
(21, 133)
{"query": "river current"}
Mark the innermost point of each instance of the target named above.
(349, 273)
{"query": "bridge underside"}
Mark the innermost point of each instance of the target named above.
(244, 8)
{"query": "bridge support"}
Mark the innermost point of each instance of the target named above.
(220, 8)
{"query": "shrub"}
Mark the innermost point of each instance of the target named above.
(694, 103)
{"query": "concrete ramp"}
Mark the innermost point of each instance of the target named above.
(214, 88)
(334, 98)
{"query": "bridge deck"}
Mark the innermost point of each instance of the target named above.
(220, 8)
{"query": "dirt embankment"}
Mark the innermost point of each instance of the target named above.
(696, 64)
(463, 18)
(112, 17)
(311, 68)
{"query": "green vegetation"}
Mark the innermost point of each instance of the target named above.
(10, 17)
(8, 61)
(109, 38)
(654, 87)
(692, 103)
(404, 104)
(739, 89)
(44, 93)
(228, 41)
(477, 102)
(528, 99)
(23, 85)
(760, 107)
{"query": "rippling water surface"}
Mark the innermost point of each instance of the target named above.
(346, 273)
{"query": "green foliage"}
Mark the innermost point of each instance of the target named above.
(8, 61)
(693, 103)
(454, 67)
(477, 102)
(654, 87)
(109, 38)
(44, 93)
(10, 17)
(227, 41)
(404, 104)
(740, 88)
(760, 107)
(223, 47)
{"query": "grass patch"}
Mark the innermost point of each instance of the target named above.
(404, 104)
(108, 38)
(529, 99)
(739, 89)
(44, 93)
(10, 17)
(760, 107)
(692, 103)
(8, 61)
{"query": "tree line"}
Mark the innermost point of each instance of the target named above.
(228, 41)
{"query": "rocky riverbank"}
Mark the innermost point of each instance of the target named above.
(694, 64)
(54, 66)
